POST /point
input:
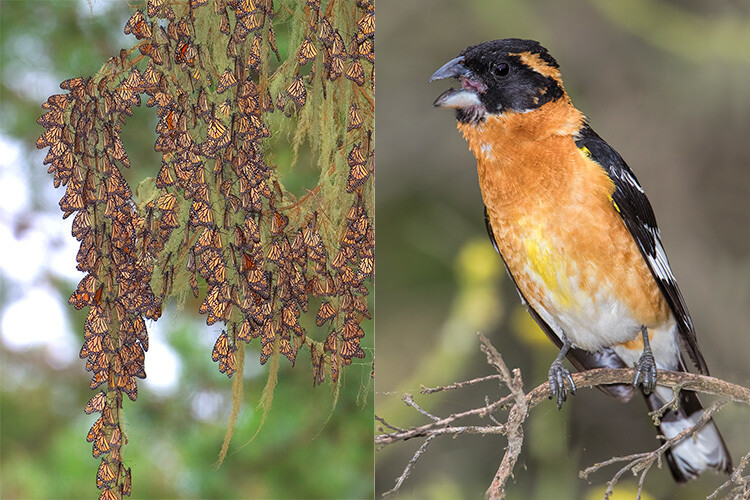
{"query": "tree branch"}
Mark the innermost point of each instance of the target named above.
(522, 403)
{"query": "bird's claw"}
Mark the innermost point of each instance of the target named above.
(558, 375)
(646, 372)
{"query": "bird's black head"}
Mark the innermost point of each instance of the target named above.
(510, 75)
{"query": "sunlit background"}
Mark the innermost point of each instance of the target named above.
(663, 81)
(306, 448)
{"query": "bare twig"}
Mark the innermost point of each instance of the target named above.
(742, 490)
(640, 463)
(522, 403)
(382, 421)
(410, 401)
(516, 417)
(458, 385)
(409, 466)
(427, 429)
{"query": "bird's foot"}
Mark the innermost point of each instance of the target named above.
(646, 374)
(558, 375)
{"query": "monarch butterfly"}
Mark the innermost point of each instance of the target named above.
(247, 331)
(326, 31)
(98, 378)
(108, 494)
(127, 384)
(212, 266)
(183, 28)
(96, 403)
(297, 92)
(360, 306)
(253, 56)
(352, 330)
(339, 261)
(153, 7)
(186, 53)
(53, 118)
(58, 101)
(166, 201)
(318, 367)
(366, 50)
(126, 483)
(101, 445)
(224, 27)
(150, 75)
(347, 276)
(260, 312)
(246, 7)
(97, 429)
(337, 49)
(331, 342)
(151, 50)
(290, 316)
(287, 349)
(81, 225)
(325, 312)
(207, 239)
(164, 178)
(355, 156)
(116, 440)
(104, 475)
(138, 26)
(351, 349)
(320, 287)
(221, 350)
(217, 133)
(356, 73)
(358, 175)
(225, 107)
(366, 265)
(72, 84)
(201, 214)
(335, 66)
(95, 321)
(226, 81)
(307, 51)
(83, 294)
(298, 247)
(366, 25)
(267, 337)
(355, 120)
(278, 222)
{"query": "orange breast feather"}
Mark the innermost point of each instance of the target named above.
(551, 213)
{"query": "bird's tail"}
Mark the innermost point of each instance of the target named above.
(696, 452)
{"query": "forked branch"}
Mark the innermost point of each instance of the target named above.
(521, 403)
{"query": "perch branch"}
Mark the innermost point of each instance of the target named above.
(522, 403)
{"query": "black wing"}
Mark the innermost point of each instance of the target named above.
(582, 360)
(631, 203)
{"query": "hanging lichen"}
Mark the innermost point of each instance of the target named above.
(216, 216)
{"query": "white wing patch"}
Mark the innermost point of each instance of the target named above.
(627, 177)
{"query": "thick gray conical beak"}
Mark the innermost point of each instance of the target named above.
(452, 98)
(452, 69)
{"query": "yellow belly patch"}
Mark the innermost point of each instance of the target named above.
(545, 262)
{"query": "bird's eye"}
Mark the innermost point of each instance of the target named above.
(501, 69)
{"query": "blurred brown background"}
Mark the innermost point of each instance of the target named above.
(667, 83)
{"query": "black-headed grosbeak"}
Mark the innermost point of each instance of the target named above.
(578, 236)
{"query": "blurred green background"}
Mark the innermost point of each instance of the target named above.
(663, 81)
(306, 448)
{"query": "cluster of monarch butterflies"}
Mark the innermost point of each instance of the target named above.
(219, 223)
